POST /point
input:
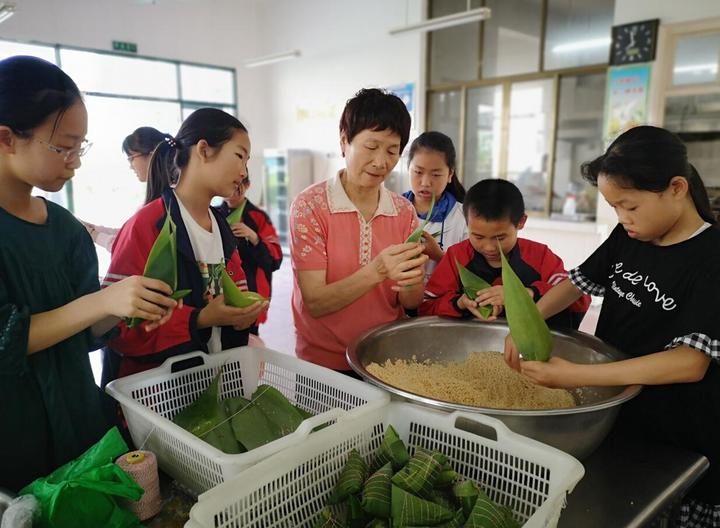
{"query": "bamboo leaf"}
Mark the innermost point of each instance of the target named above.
(416, 235)
(376, 492)
(249, 424)
(527, 327)
(356, 516)
(206, 418)
(392, 449)
(234, 296)
(420, 473)
(326, 519)
(409, 510)
(161, 263)
(281, 415)
(351, 478)
(487, 514)
(472, 284)
(467, 493)
(236, 215)
(447, 476)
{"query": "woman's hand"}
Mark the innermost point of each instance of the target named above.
(556, 372)
(139, 297)
(217, 313)
(432, 248)
(402, 263)
(241, 230)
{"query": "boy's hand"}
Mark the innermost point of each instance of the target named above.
(465, 303)
(495, 295)
(432, 248)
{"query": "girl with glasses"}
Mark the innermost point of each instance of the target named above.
(52, 312)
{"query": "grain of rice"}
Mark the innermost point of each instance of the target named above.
(482, 380)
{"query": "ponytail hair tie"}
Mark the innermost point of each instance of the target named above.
(170, 141)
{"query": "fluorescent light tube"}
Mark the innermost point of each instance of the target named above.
(271, 59)
(456, 19)
(582, 45)
(7, 9)
(697, 68)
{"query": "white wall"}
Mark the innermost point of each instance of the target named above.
(345, 46)
(668, 11)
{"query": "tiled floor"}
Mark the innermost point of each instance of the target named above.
(279, 332)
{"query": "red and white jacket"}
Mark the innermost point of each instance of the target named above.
(260, 261)
(535, 264)
(134, 349)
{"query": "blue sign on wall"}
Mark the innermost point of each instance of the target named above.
(406, 92)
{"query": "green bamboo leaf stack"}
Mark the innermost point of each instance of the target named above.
(527, 327)
(207, 419)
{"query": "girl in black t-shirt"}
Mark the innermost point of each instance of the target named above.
(659, 274)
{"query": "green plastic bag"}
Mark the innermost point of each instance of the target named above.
(81, 494)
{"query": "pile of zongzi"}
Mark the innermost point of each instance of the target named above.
(237, 425)
(400, 491)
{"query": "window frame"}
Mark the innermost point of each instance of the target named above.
(506, 82)
(182, 102)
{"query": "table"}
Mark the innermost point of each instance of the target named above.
(628, 484)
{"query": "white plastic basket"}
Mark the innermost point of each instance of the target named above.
(289, 489)
(151, 399)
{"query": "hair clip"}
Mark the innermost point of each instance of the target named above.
(170, 141)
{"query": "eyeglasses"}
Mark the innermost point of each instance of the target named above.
(131, 157)
(69, 155)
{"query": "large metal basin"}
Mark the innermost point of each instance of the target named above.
(578, 430)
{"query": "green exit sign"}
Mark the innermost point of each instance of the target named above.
(127, 47)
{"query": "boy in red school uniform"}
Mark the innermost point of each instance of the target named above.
(495, 211)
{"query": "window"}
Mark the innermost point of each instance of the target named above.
(449, 66)
(697, 58)
(207, 84)
(578, 33)
(445, 114)
(531, 109)
(483, 134)
(579, 139)
(9, 48)
(123, 93)
(528, 143)
(511, 38)
(119, 75)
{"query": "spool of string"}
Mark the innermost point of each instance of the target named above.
(142, 467)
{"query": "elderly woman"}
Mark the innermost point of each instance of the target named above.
(353, 270)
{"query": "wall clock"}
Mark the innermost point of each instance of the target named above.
(634, 43)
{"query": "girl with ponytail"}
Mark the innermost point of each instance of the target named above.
(658, 273)
(208, 157)
(432, 172)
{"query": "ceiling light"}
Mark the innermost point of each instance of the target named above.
(697, 69)
(7, 9)
(271, 59)
(456, 19)
(582, 45)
